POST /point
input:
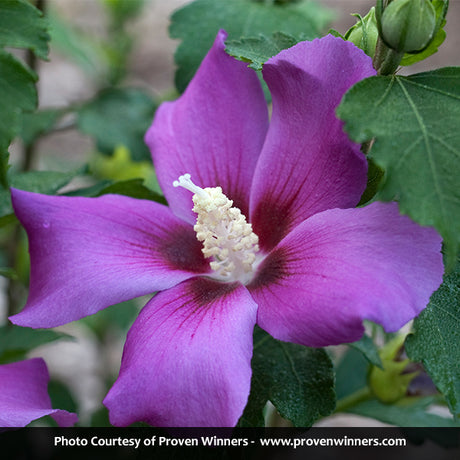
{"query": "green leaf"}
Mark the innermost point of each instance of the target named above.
(92, 190)
(61, 396)
(299, 381)
(406, 413)
(17, 93)
(8, 272)
(100, 418)
(48, 182)
(118, 117)
(256, 51)
(120, 317)
(16, 341)
(37, 123)
(23, 26)
(374, 177)
(415, 123)
(8, 220)
(367, 347)
(436, 340)
(351, 373)
(134, 188)
(197, 24)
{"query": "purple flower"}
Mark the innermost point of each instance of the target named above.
(24, 396)
(306, 269)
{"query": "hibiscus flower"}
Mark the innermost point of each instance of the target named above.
(24, 396)
(262, 230)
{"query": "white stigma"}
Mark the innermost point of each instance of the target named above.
(224, 232)
(186, 182)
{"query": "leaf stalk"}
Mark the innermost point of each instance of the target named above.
(359, 396)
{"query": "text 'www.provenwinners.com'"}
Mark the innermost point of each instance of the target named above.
(215, 441)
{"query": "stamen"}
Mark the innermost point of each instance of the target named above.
(226, 235)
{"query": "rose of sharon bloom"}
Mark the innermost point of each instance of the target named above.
(24, 395)
(260, 229)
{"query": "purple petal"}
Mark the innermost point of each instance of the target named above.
(89, 253)
(214, 131)
(308, 164)
(187, 358)
(342, 266)
(24, 396)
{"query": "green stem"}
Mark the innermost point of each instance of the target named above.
(32, 62)
(29, 150)
(13, 290)
(386, 60)
(353, 399)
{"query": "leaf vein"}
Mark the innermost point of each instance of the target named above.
(291, 363)
(385, 94)
(429, 152)
(445, 144)
(407, 151)
(432, 89)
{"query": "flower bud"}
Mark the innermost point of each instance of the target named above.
(408, 25)
(390, 383)
(364, 33)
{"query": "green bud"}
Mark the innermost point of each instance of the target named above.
(364, 33)
(390, 384)
(121, 167)
(408, 25)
